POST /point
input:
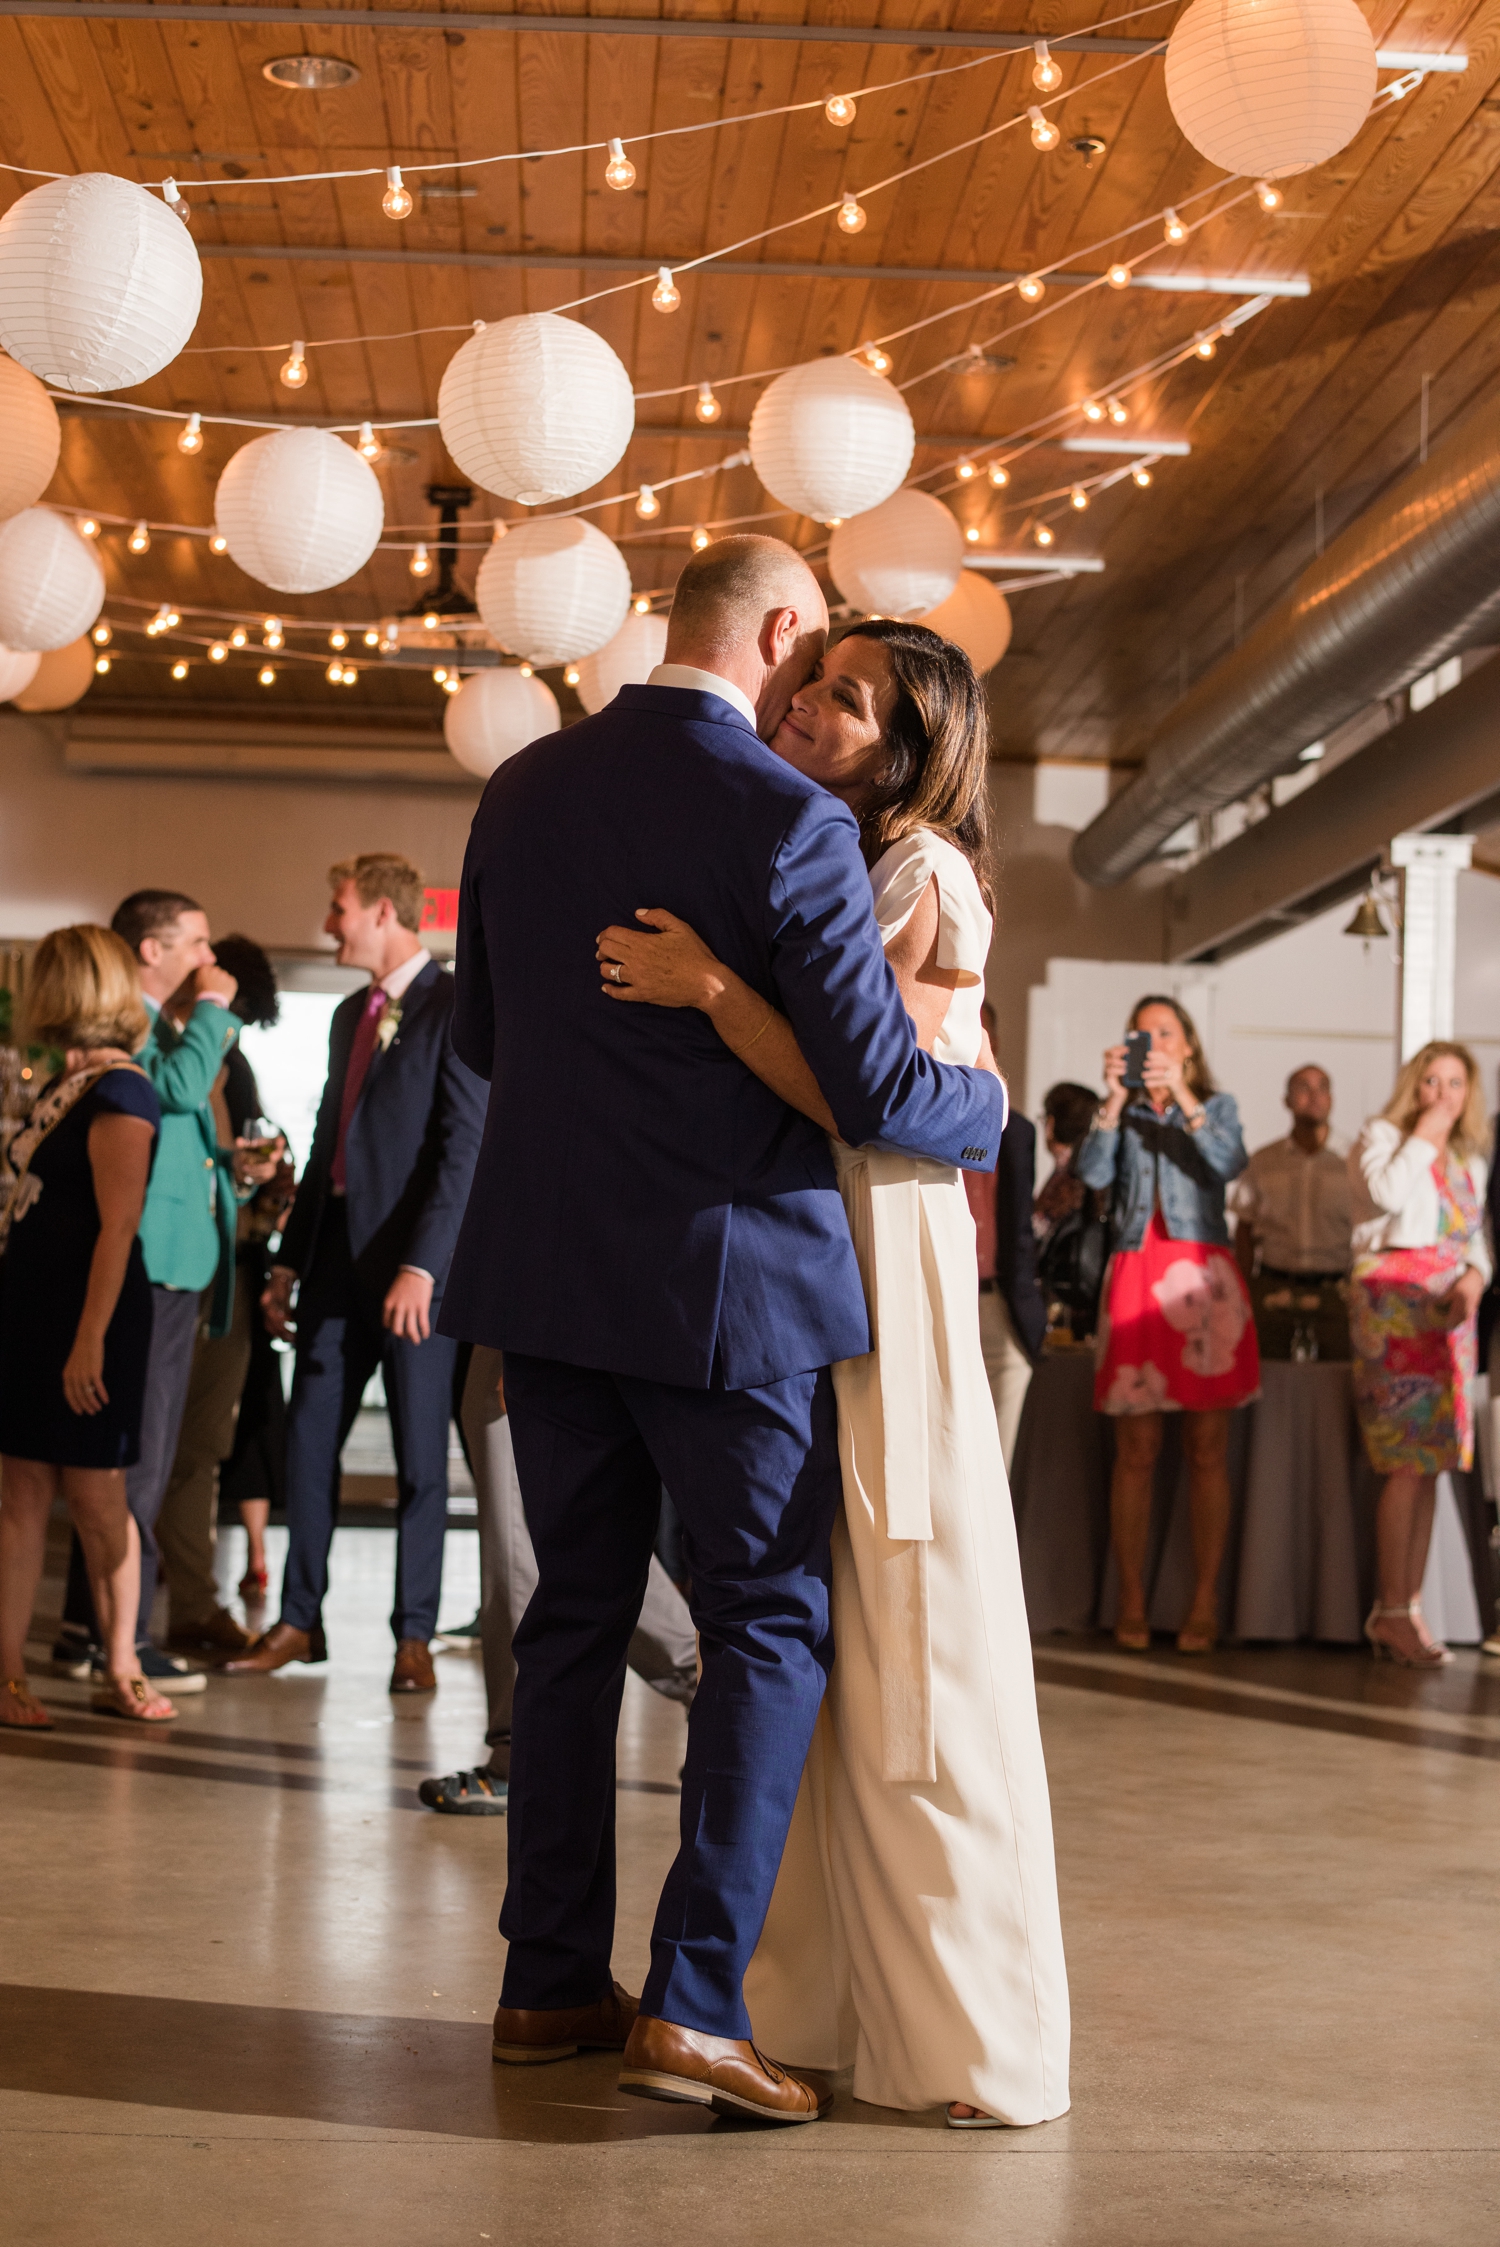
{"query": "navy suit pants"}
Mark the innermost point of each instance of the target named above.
(340, 1341)
(754, 1475)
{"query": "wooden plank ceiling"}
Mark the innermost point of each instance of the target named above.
(1400, 235)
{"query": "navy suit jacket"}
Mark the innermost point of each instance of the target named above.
(413, 1142)
(644, 1204)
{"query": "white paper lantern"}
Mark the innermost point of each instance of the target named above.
(831, 439)
(300, 510)
(628, 661)
(1270, 87)
(901, 558)
(99, 282)
(494, 714)
(60, 679)
(51, 585)
(976, 618)
(554, 590)
(33, 435)
(536, 408)
(16, 673)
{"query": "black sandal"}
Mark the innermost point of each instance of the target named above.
(467, 1794)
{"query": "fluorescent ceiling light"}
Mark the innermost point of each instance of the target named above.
(1074, 565)
(1225, 284)
(1160, 448)
(1397, 58)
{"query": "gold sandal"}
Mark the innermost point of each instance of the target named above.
(136, 1700)
(20, 1710)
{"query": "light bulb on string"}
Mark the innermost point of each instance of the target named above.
(452, 683)
(102, 635)
(1092, 410)
(497, 532)
(430, 621)
(218, 653)
(1172, 228)
(571, 675)
(271, 636)
(191, 440)
(619, 172)
(1140, 476)
(1078, 498)
(294, 371)
(101, 665)
(966, 471)
(89, 526)
(700, 538)
(396, 202)
(1032, 288)
(171, 196)
(139, 540)
(372, 639)
(1046, 76)
(708, 407)
(369, 445)
(1206, 346)
(179, 670)
(525, 670)
(267, 675)
(1268, 197)
(971, 534)
(878, 361)
(239, 637)
(1117, 412)
(420, 564)
(999, 475)
(839, 109)
(218, 543)
(642, 604)
(440, 674)
(173, 620)
(338, 639)
(1042, 535)
(1044, 134)
(351, 673)
(646, 502)
(851, 218)
(666, 296)
(1118, 276)
(335, 673)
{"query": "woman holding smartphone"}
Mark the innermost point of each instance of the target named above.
(1175, 1332)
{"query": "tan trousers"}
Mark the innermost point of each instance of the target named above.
(188, 1526)
(1008, 1367)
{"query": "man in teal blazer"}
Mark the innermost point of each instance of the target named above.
(188, 1224)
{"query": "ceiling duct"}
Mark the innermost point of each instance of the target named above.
(1414, 579)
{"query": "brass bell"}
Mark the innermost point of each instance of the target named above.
(1367, 922)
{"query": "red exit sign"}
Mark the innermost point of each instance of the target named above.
(439, 911)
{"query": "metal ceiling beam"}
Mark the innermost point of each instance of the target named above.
(582, 261)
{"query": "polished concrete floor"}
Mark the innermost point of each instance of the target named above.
(247, 1981)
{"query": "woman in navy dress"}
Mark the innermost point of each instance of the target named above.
(75, 1308)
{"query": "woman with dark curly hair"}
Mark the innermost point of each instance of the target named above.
(914, 1929)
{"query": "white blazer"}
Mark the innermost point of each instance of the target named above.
(1396, 1199)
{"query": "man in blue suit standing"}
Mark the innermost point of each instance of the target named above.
(658, 1245)
(368, 1246)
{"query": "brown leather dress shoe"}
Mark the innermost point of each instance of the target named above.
(218, 1633)
(413, 1672)
(281, 1644)
(663, 2061)
(525, 2039)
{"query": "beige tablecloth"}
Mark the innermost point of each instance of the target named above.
(1300, 1557)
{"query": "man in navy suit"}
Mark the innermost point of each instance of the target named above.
(658, 1245)
(368, 1246)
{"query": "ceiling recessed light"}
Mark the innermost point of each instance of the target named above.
(310, 74)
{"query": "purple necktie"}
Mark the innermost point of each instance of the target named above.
(360, 1055)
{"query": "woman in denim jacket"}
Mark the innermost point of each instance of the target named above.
(1176, 1332)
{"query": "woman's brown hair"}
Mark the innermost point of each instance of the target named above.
(1198, 1073)
(937, 746)
(83, 988)
(1471, 1134)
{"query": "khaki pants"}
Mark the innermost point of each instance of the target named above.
(1007, 1365)
(187, 1528)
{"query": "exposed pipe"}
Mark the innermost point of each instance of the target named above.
(1414, 579)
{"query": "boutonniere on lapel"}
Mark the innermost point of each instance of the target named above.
(388, 1025)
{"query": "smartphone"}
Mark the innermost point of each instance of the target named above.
(1137, 1046)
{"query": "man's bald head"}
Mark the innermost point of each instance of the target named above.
(750, 610)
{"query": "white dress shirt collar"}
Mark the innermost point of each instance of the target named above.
(704, 682)
(401, 979)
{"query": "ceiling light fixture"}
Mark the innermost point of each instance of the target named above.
(310, 74)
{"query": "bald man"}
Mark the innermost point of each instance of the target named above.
(658, 1245)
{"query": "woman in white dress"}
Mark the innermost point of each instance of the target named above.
(914, 1930)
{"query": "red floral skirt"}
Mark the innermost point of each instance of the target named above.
(1177, 1334)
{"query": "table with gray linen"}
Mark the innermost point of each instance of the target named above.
(1300, 1559)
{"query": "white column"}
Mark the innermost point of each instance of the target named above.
(1430, 866)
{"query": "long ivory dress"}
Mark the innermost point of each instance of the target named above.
(914, 1929)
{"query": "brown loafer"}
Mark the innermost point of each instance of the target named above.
(413, 1672)
(663, 2061)
(525, 2039)
(218, 1633)
(281, 1644)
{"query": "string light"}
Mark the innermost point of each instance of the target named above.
(1140, 475)
(999, 475)
(396, 202)
(218, 653)
(369, 444)
(1206, 346)
(971, 534)
(89, 527)
(840, 109)
(641, 604)
(158, 624)
(646, 502)
(851, 218)
(271, 637)
(191, 440)
(102, 635)
(666, 296)
(429, 622)
(878, 361)
(1046, 77)
(1078, 497)
(294, 372)
(239, 637)
(438, 676)
(619, 172)
(966, 470)
(1044, 134)
(351, 673)
(1117, 412)
(1118, 276)
(571, 675)
(218, 544)
(1172, 228)
(335, 673)
(1268, 197)
(452, 683)
(139, 540)
(708, 407)
(372, 639)
(179, 670)
(338, 639)
(267, 675)
(101, 665)
(420, 564)
(1092, 410)
(497, 533)
(700, 540)
(525, 670)
(1042, 535)
(1032, 289)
